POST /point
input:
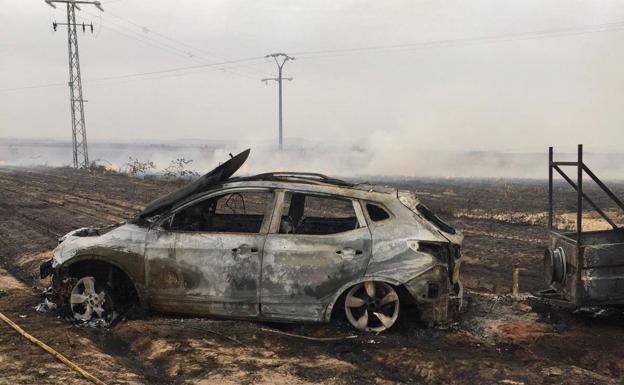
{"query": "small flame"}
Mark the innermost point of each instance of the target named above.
(114, 167)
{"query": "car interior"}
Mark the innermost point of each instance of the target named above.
(238, 212)
(316, 215)
(243, 212)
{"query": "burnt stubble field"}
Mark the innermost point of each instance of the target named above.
(495, 341)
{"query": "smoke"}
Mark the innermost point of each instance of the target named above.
(382, 155)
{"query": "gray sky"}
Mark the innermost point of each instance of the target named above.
(511, 94)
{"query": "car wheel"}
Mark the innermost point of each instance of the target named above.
(90, 300)
(372, 306)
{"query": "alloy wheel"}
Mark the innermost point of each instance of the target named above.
(372, 306)
(88, 300)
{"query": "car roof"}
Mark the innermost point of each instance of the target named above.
(291, 178)
(357, 190)
(301, 177)
(363, 191)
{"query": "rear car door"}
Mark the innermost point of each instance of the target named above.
(317, 244)
(216, 264)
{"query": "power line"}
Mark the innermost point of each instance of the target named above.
(48, 85)
(173, 51)
(604, 27)
(127, 32)
(351, 51)
(178, 69)
(152, 77)
(174, 71)
(142, 37)
(147, 29)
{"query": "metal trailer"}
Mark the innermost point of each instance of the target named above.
(583, 268)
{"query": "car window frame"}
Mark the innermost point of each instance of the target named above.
(280, 195)
(266, 220)
(364, 202)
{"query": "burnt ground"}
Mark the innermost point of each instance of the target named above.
(496, 341)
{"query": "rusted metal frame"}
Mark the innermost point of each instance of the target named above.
(591, 203)
(550, 188)
(565, 163)
(579, 197)
(604, 187)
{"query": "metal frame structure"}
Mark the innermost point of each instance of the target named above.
(581, 169)
(79, 130)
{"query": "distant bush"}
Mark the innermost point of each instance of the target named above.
(178, 168)
(137, 167)
(97, 167)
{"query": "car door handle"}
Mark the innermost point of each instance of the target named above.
(242, 249)
(348, 250)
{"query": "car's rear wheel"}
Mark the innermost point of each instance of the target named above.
(90, 300)
(372, 306)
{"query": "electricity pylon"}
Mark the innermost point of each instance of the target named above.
(284, 58)
(79, 131)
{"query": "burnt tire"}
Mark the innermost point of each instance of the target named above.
(90, 302)
(554, 265)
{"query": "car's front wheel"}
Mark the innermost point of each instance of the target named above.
(372, 306)
(91, 301)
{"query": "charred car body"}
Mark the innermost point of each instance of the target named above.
(277, 246)
(584, 268)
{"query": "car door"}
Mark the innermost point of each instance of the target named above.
(317, 244)
(216, 261)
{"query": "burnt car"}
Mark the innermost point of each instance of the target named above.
(276, 246)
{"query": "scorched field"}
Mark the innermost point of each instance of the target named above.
(496, 340)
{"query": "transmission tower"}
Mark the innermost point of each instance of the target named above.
(76, 101)
(280, 60)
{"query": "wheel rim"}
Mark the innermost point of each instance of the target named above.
(87, 302)
(372, 306)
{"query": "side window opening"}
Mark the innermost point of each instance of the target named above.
(237, 212)
(431, 217)
(376, 213)
(317, 215)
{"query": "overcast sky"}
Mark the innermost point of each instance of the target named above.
(521, 92)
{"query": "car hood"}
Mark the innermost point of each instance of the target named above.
(219, 174)
(125, 239)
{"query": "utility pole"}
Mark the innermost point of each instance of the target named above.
(280, 60)
(79, 131)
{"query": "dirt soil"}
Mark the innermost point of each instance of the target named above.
(495, 341)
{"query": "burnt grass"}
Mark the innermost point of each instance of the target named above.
(495, 341)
